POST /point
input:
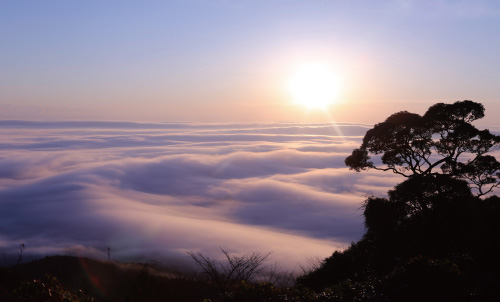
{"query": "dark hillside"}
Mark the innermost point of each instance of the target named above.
(88, 278)
(436, 237)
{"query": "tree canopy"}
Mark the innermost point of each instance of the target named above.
(431, 239)
(442, 141)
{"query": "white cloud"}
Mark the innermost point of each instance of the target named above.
(153, 193)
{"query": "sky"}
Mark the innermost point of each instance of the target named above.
(160, 127)
(229, 61)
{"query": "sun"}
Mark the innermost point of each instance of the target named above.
(314, 86)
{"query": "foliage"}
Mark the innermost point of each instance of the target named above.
(409, 144)
(431, 239)
(48, 289)
(83, 278)
(264, 291)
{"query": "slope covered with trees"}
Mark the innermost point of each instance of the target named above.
(435, 238)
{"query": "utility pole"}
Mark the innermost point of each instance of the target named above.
(21, 249)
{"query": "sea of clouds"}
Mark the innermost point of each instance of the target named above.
(153, 191)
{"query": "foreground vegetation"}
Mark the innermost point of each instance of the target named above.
(66, 278)
(435, 238)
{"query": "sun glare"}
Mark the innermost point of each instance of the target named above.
(314, 86)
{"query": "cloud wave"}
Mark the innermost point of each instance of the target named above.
(154, 191)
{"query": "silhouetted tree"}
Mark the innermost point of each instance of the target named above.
(431, 239)
(443, 138)
(421, 194)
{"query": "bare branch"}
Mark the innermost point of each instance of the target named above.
(229, 273)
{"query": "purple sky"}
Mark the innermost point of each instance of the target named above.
(230, 61)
